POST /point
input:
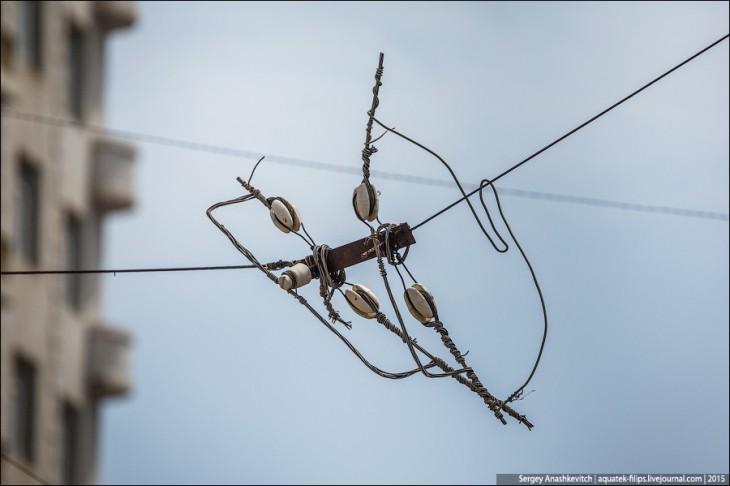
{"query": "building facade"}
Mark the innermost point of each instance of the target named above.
(59, 180)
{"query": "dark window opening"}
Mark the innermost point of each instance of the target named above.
(30, 33)
(69, 453)
(28, 212)
(24, 410)
(76, 71)
(73, 262)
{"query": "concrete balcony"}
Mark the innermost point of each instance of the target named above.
(116, 14)
(109, 369)
(113, 181)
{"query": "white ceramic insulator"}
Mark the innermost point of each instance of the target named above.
(296, 276)
(361, 202)
(284, 219)
(286, 282)
(297, 219)
(420, 303)
(363, 301)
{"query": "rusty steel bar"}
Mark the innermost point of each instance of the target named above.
(363, 250)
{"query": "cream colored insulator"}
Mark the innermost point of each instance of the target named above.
(362, 301)
(284, 215)
(420, 303)
(297, 276)
(365, 202)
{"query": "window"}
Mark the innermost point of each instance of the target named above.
(28, 212)
(69, 453)
(25, 378)
(76, 71)
(30, 33)
(73, 261)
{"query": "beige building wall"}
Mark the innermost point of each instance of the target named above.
(59, 181)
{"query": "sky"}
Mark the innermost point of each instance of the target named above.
(235, 382)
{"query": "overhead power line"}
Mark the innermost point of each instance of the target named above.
(128, 270)
(387, 175)
(234, 152)
(607, 203)
(584, 124)
(378, 174)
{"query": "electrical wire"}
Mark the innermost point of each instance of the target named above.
(128, 270)
(558, 140)
(376, 174)
(24, 469)
(486, 182)
(250, 256)
(395, 260)
(394, 176)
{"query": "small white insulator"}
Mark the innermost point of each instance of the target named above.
(365, 202)
(284, 215)
(297, 276)
(420, 303)
(362, 301)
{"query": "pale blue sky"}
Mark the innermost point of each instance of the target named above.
(236, 383)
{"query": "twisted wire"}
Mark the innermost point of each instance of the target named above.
(366, 153)
(383, 319)
(243, 250)
(492, 402)
(501, 249)
(279, 264)
(246, 253)
(368, 150)
(495, 405)
(376, 100)
(328, 282)
(449, 371)
(381, 266)
(479, 389)
(448, 342)
(256, 193)
(351, 347)
(394, 258)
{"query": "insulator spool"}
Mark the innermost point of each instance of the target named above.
(363, 301)
(284, 215)
(365, 201)
(420, 303)
(296, 276)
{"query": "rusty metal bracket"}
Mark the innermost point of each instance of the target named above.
(362, 250)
